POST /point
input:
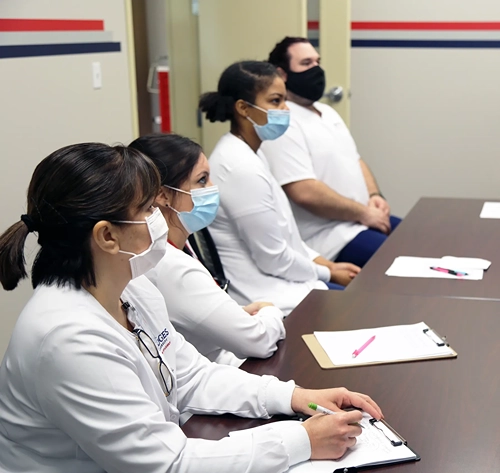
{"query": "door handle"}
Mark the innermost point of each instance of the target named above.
(335, 94)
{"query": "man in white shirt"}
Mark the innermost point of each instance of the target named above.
(335, 199)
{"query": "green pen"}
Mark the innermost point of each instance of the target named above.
(324, 410)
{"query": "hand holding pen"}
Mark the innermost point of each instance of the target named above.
(331, 435)
(324, 410)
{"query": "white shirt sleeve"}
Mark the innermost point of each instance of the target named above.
(197, 305)
(323, 272)
(288, 156)
(250, 204)
(88, 386)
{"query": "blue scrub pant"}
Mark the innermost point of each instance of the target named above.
(359, 250)
(334, 287)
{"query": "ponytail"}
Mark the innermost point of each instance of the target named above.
(217, 107)
(12, 261)
(70, 191)
(240, 81)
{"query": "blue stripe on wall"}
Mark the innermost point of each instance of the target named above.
(31, 50)
(419, 43)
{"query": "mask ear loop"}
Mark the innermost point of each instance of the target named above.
(257, 107)
(176, 189)
(252, 122)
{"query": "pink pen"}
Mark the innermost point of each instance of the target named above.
(449, 271)
(355, 353)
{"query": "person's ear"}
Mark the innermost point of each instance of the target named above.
(164, 197)
(282, 73)
(241, 108)
(106, 237)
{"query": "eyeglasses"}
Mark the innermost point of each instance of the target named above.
(148, 343)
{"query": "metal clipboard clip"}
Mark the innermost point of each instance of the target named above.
(436, 338)
(391, 435)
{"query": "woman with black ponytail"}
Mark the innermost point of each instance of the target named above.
(255, 231)
(95, 376)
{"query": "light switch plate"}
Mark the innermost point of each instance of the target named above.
(96, 75)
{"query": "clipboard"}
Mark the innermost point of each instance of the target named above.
(373, 453)
(395, 439)
(325, 362)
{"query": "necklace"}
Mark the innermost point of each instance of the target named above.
(241, 138)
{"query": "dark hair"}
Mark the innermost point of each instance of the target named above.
(241, 80)
(279, 56)
(71, 190)
(174, 155)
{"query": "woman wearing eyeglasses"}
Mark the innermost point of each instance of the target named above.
(207, 316)
(95, 376)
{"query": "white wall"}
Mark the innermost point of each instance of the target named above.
(426, 120)
(49, 102)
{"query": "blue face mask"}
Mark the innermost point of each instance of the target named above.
(205, 206)
(277, 123)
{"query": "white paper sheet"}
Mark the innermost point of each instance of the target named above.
(397, 342)
(490, 210)
(416, 267)
(465, 263)
(371, 447)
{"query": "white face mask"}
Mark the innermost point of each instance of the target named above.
(158, 230)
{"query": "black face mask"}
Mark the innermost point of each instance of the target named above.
(308, 84)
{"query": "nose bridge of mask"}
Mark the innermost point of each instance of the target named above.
(204, 191)
(196, 194)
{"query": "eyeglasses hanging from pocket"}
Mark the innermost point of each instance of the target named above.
(146, 342)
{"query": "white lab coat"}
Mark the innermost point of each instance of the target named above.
(78, 395)
(255, 232)
(208, 317)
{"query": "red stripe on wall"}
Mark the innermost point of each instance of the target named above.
(426, 25)
(12, 24)
(420, 25)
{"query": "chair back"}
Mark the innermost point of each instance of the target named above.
(206, 251)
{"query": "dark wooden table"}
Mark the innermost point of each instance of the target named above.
(448, 410)
(435, 228)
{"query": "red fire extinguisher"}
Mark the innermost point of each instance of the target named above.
(158, 83)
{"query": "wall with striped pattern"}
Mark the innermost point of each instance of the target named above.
(31, 37)
(47, 98)
(424, 96)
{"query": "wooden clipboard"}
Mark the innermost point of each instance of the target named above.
(325, 363)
